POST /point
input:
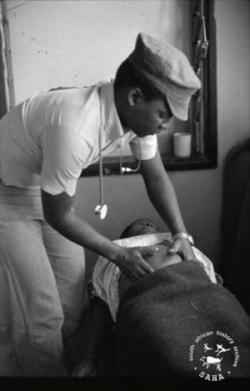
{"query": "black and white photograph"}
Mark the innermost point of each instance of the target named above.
(124, 194)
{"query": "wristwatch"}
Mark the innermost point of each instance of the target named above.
(184, 235)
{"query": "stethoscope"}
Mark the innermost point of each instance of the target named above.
(101, 209)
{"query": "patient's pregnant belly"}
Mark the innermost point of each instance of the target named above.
(158, 260)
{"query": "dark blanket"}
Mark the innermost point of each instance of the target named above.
(163, 321)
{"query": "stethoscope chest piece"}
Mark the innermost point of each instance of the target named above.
(101, 211)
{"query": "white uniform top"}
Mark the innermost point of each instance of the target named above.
(105, 277)
(47, 140)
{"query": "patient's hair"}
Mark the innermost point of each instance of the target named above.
(140, 227)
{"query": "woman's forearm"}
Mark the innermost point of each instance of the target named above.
(162, 195)
(59, 212)
(80, 232)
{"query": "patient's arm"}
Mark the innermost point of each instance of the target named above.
(99, 327)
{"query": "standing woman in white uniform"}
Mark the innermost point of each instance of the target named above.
(45, 143)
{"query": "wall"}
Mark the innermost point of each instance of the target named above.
(233, 66)
(66, 43)
(79, 42)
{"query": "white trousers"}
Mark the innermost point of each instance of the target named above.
(41, 288)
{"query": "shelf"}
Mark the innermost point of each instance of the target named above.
(171, 163)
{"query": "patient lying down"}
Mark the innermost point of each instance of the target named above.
(158, 318)
(156, 255)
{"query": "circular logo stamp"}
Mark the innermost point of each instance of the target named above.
(214, 355)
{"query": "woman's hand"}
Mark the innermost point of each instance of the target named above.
(132, 263)
(183, 248)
